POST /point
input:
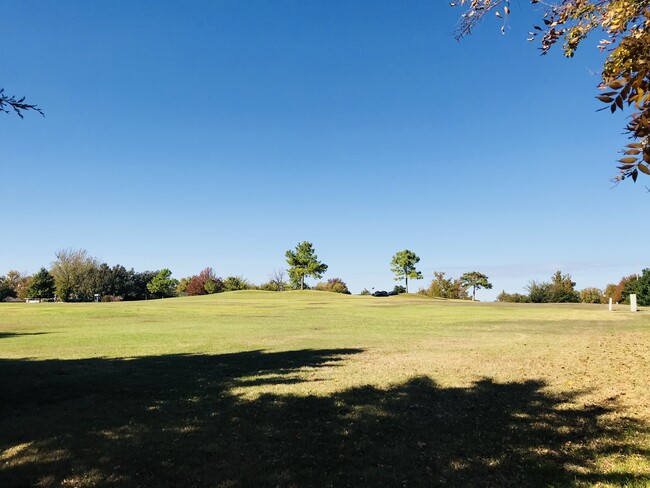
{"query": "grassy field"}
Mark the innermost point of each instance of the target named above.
(315, 389)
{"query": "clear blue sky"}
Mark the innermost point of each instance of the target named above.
(222, 133)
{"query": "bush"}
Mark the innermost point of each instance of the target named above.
(512, 297)
(442, 287)
(592, 295)
(539, 291)
(273, 286)
(235, 283)
(399, 289)
(205, 283)
(335, 285)
(364, 292)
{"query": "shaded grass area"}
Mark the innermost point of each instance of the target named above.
(173, 420)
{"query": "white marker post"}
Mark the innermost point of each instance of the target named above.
(610, 304)
(633, 302)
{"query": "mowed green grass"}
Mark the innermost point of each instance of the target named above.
(317, 389)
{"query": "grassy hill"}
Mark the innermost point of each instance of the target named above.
(318, 389)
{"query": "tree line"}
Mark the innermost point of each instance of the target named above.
(561, 289)
(75, 276)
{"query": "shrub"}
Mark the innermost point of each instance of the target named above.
(442, 287)
(512, 297)
(273, 286)
(205, 283)
(234, 283)
(539, 291)
(592, 295)
(335, 285)
(364, 292)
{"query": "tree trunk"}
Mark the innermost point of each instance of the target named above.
(302, 282)
(473, 293)
(407, 283)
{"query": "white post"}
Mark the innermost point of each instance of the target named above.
(610, 304)
(633, 302)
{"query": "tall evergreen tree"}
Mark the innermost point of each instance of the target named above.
(476, 280)
(403, 265)
(42, 285)
(304, 262)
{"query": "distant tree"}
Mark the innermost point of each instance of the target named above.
(18, 105)
(206, 282)
(6, 290)
(71, 272)
(181, 288)
(213, 285)
(12, 279)
(128, 284)
(539, 291)
(563, 289)
(442, 287)
(163, 285)
(136, 284)
(335, 285)
(403, 265)
(476, 280)
(18, 282)
(611, 292)
(364, 292)
(512, 297)
(277, 278)
(235, 283)
(592, 295)
(639, 285)
(42, 285)
(399, 289)
(617, 295)
(195, 286)
(276, 282)
(304, 262)
(100, 281)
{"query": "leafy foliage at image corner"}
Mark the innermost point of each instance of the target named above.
(625, 78)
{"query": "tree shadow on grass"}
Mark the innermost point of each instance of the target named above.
(175, 420)
(8, 335)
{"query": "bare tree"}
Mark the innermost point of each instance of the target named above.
(277, 278)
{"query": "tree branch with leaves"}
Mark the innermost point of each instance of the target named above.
(625, 78)
(18, 105)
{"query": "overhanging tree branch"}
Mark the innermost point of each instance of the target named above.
(18, 105)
